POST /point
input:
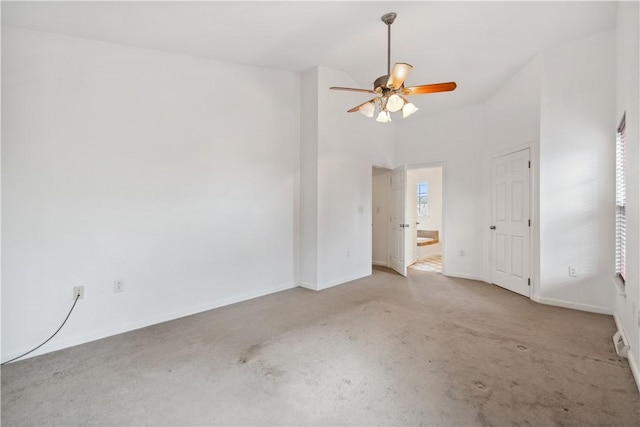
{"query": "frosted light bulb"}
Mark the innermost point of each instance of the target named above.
(384, 117)
(408, 109)
(394, 103)
(368, 109)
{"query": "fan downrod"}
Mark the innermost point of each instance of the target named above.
(388, 19)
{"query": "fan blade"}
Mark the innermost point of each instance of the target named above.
(354, 109)
(350, 89)
(398, 75)
(437, 87)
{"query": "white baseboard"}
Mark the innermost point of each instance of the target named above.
(343, 280)
(331, 284)
(576, 306)
(619, 326)
(464, 276)
(163, 317)
(630, 358)
(634, 368)
(308, 286)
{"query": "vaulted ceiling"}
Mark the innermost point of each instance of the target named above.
(477, 44)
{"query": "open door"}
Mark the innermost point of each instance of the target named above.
(398, 223)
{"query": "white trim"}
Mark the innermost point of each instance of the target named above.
(307, 286)
(59, 345)
(512, 150)
(465, 276)
(619, 326)
(427, 165)
(576, 306)
(333, 283)
(343, 280)
(619, 285)
(380, 263)
(634, 369)
(381, 166)
(630, 358)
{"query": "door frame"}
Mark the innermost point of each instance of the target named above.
(443, 241)
(534, 292)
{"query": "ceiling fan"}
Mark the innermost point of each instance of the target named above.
(389, 89)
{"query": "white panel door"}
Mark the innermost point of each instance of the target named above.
(510, 222)
(398, 194)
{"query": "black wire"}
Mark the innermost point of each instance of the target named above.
(54, 334)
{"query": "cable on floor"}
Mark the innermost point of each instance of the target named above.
(48, 339)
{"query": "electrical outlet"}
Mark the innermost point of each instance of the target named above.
(78, 292)
(572, 272)
(118, 285)
(461, 252)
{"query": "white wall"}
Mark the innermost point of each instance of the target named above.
(124, 163)
(565, 96)
(467, 139)
(380, 216)
(308, 236)
(577, 158)
(627, 98)
(513, 123)
(457, 139)
(347, 147)
(560, 106)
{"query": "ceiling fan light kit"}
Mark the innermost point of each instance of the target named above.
(389, 89)
(368, 108)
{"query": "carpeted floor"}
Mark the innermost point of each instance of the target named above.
(383, 350)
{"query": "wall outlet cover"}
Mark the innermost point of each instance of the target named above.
(118, 285)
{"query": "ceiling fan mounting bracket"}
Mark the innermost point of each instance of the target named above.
(388, 18)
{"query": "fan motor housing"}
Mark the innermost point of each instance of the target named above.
(380, 84)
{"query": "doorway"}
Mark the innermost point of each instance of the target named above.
(407, 218)
(380, 209)
(425, 202)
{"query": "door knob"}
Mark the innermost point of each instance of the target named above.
(493, 227)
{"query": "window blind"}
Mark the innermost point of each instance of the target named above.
(621, 201)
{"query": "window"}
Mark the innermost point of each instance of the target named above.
(621, 201)
(423, 190)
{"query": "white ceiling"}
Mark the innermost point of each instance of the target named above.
(476, 44)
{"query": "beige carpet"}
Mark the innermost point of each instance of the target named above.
(384, 350)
